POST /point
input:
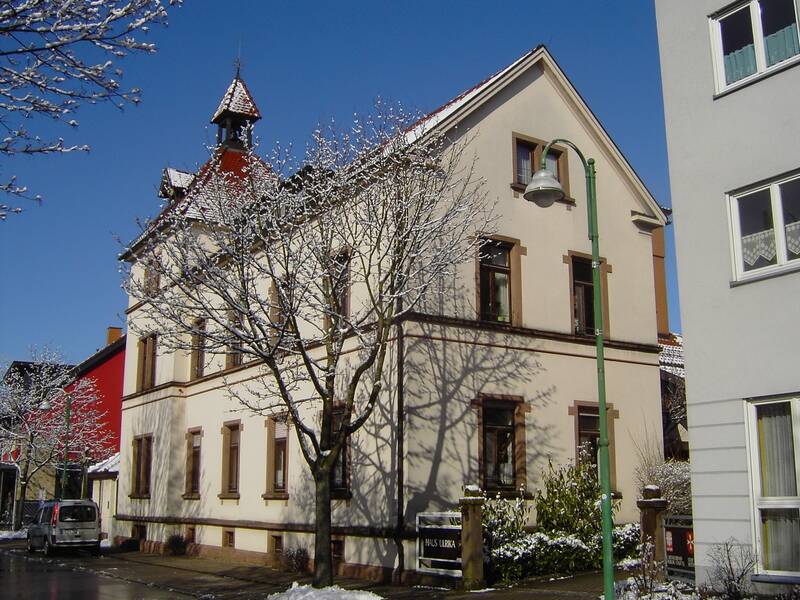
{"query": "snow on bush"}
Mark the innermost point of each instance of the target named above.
(306, 592)
(628, 590)
(542, 554)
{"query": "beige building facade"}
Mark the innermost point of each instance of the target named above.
(481, 390)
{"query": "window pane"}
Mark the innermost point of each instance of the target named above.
(499, 416)
(588, 423)
(524, 166)
(790, 200)
(582, 270)
(776, 449)
(738, 51)
(502, 308)
(505, 457)
(779, 23)
(551, 163)
(494, 254)
(280, 465)
(780, 537)
(758, 236)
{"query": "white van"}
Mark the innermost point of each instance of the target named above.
(65, 524)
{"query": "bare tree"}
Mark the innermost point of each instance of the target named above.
(57, 55)
(45, 412)
(305, 268)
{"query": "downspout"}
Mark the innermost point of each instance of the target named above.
(400, 526)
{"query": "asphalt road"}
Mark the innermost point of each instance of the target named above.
(23, 579)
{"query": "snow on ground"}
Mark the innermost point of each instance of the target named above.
(13, 535)
(306, 592)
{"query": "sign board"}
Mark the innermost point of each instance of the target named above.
(679, 547)
(439, 543)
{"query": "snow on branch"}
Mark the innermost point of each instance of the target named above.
(59, 55)
(306, 265)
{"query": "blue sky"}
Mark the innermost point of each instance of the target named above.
(303, 62)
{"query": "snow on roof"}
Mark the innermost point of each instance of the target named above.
(670, 359)
(237, 100)
(448, 108)
(172, 181)
(109, 465)
(179, 179)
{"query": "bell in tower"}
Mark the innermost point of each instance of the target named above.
(235, 116)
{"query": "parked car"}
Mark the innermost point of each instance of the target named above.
(65, 524)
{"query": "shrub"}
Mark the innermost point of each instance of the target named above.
(672, 476)
(540, 554)
(295, 560)
(129, 545)
(731, 565)
(176, 544)
(570, 499)
(504, 520)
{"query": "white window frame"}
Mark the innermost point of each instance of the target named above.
(782, 262)
(757, 502)
(715, 29)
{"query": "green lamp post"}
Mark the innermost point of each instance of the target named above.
(543, 190)
(67, 422)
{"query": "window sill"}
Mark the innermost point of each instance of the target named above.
(507, 493)
(779, 579)
(756, 77)
(275, 496)
(191, 496)
(139, 496)
(341, 494)
(518, 187)
(228, 496)
(773, 272)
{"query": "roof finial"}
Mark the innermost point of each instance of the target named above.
(238, 62)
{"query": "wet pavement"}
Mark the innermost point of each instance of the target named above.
(135, 576)
(45, 579)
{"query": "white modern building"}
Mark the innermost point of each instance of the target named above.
(731, 81)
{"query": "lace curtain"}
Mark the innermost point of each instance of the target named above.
(762, 244)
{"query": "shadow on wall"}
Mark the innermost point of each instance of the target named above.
(448, 368)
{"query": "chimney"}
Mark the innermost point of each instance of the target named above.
(113, 334)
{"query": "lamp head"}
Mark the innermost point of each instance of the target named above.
(544, 189)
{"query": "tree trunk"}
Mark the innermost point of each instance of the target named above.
(323, 563)
(19, 505)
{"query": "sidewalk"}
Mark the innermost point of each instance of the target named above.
(210, 579)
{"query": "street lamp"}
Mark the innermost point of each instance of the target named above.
(67, 417)
(543, 190)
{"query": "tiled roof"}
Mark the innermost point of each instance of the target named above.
(670, 359)
(237, 100)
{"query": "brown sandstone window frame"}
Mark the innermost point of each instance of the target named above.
(234, 355)
(141, 466)
(612, 415)
(516, 252)
(229, 538)
(147, 358)
(198, 355)
(343, 492)
(272, 491)
(536, 147)
(605, 270)
(520, 408)
(228, 492)
(345, 291)
(193, 464)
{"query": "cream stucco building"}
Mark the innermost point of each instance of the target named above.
(482, 391)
